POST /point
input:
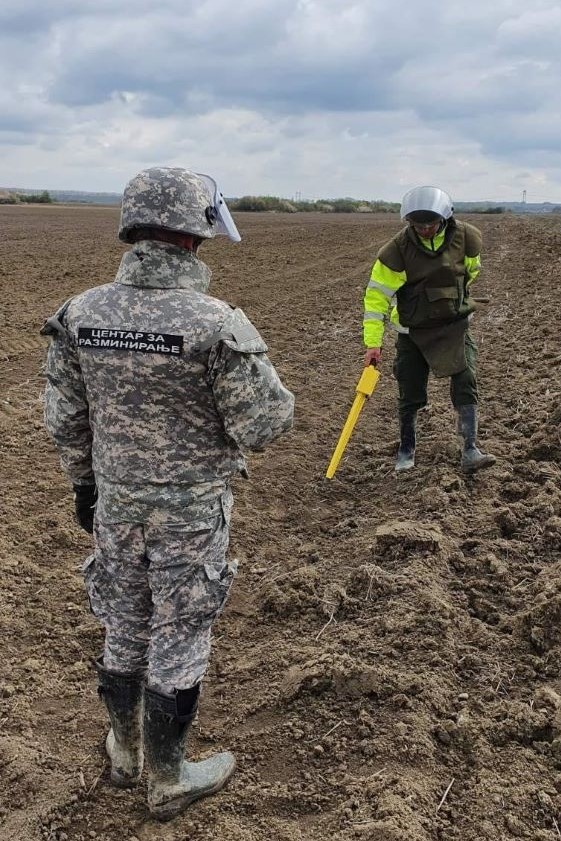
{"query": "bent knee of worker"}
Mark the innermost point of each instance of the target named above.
(412, 395)
(463, 388)
(471, 348)
(411, 374)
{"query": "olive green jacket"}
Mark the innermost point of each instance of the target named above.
(426, 281)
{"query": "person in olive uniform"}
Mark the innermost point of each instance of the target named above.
(420, 284)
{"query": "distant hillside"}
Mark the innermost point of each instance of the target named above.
(260, 203)
(510, 206)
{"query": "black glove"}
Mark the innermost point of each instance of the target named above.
(85, 497)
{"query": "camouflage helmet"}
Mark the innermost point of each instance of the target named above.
(426, 204)
(175, 199)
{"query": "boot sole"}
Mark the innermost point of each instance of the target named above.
(120, 781)
(404, 466)
(170, 810)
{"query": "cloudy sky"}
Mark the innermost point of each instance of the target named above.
(317, 98)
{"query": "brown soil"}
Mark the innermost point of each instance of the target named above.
(388, 668)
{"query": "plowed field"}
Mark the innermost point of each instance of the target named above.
(388, 667)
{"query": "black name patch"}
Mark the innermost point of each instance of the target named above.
(101, 338)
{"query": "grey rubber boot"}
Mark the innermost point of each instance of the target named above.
(123, 695)
(173, 782)
(472, 457)
(407, 440)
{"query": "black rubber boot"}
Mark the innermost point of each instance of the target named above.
(406, 452)
(123, 697)
(472, 457)
(174, 783)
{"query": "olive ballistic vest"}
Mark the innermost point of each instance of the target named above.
(435, 291)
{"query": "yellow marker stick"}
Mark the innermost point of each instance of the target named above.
(364, 389)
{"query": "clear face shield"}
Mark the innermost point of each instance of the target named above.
(218, 214)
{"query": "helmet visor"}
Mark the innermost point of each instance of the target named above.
(218, 214)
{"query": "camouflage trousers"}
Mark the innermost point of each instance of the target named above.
(157, 590)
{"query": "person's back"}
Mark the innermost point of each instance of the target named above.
(154, 390)
(148, 386)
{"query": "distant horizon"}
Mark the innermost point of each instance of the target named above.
(498, 202)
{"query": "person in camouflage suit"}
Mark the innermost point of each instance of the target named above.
(154, 390)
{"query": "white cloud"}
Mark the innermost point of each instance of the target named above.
(321, 97)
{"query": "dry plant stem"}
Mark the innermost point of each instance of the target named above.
(445, 795)
(329, 732)
(335, 726)
(94, 784)
(327, 624)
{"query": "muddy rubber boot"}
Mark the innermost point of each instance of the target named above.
(173, 782)
(472, 457)
(123, 695)
(406, 452)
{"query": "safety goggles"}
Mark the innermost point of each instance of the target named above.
(217, 214)
(426, 226)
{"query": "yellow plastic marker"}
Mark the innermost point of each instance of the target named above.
(364, 389)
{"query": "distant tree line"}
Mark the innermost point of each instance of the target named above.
(7, 197)
(274, 204)
(36, 198)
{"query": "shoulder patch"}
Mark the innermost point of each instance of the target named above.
(243, 335)
(123, 338)
(238, 333)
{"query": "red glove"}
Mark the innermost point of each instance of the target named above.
(372, 356)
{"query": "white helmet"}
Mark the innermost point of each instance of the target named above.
(175, 199)
(426, 204)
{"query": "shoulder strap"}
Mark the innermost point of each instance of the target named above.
(391, 254)
(54, 325)
(473, 241)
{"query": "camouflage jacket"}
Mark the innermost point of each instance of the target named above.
(154, 388)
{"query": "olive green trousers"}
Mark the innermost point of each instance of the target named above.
(411, 371)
